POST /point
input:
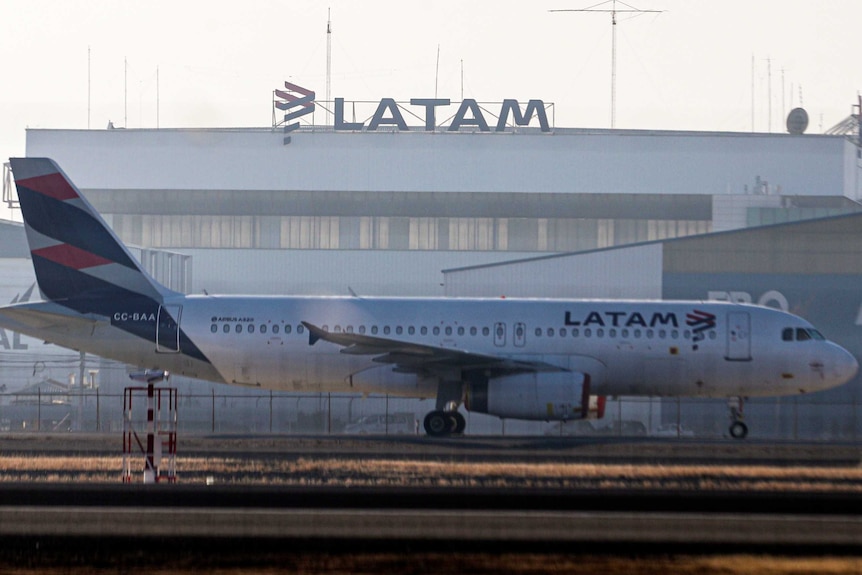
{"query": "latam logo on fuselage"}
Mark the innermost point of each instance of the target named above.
(696, 319)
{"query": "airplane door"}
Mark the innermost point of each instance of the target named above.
(520, 334)
(738, 336)
(499, 334)
(168, 329)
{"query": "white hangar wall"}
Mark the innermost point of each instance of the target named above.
(328, 272)
(564, 161)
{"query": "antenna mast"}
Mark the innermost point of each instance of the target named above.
(613, 12)
(328, 62)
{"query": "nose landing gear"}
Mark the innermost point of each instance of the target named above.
(738, 429)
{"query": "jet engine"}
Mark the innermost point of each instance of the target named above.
(559, 396)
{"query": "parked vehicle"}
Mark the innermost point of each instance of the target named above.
(672, 430)
(393, 423)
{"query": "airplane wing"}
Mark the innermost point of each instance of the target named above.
(409, 357)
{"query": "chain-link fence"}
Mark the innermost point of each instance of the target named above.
(323, 414)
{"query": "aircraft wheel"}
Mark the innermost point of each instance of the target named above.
(738, 430)
(459, 422)
(438, 424)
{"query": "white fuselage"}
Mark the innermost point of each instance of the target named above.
(702, 349)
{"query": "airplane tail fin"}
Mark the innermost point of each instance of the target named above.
(75, 254)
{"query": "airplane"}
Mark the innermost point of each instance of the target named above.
(531, 359)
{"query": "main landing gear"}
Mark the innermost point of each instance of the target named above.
(738, 429)
(441, 423)
(445, 420)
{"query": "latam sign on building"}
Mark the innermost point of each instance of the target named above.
(298, 101)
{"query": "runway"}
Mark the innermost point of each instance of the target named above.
(477, 515)
(554, 495)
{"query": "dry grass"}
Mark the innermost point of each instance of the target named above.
(309, 471)
(495, 563)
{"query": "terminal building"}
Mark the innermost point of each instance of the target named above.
(528, 210)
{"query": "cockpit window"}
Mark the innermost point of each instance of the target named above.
(801, 334)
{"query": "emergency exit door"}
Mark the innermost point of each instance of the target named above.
(738, 336)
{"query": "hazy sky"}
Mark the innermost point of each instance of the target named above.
(687, 68)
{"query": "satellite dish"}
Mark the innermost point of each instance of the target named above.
(797, 121)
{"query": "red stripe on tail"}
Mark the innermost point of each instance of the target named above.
(71, 257)
(52, 185)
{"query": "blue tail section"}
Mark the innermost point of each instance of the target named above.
(75, 254)
(83, 267)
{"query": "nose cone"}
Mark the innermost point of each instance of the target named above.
(843, 366)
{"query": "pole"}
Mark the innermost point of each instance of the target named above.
(150, 472)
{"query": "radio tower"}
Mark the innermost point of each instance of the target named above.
(613, 11)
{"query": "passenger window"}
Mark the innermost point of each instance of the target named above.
(473, 330)
(562, 332)
(600, 332)
(386, 330)
(650, 333)
(374, 330)
(436, 330)
(625, 333)
(263, 328)
(251, 328)
(448, 330)
(275, 328)
(288, 328)
(612, 333)
(423, 330)
(787, 334)
(486, 331)
(550, 332)
(538, 332)
(361, 329)
(802, 335)
(300, 329)
(576, 332)
(349, 329)
(399, 330)
(460, 331)
(588, 332)
(214, 328)
(226, 328)
(337, 329)
(411, 330)
(239, 328)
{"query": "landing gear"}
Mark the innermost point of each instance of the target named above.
(441, 423)
(738, 429)
(445, 420)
